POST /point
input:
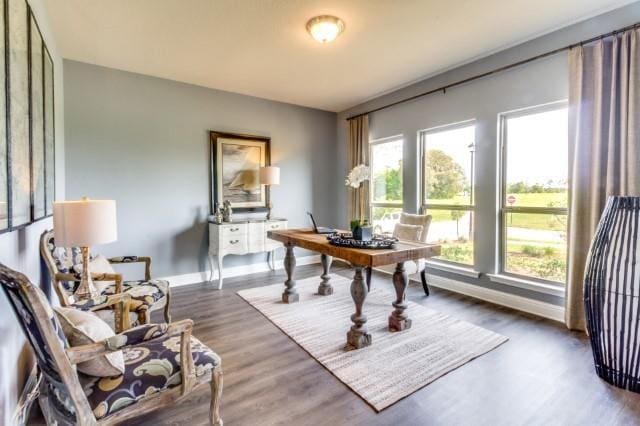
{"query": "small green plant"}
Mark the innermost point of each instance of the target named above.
(549, 251)
(532, 251)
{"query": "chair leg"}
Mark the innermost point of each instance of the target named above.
(167, 314)
(144, 317)
(423, 277)
(216, 396)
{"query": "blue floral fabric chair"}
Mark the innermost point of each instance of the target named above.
(146, 295)
(163, 362)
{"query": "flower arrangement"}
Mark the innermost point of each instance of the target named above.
(356, 177)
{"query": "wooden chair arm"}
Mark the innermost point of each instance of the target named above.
(135, 259)
(59, 277)
(121, 312)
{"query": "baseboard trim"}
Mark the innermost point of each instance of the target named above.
(234, 271)
(535, 307)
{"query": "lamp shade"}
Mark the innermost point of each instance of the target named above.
(270, 175)
(84, 223)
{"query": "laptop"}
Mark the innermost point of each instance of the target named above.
(321, 229)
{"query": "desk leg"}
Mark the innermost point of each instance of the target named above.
(399, 320)
(325, 288)
(367, 277)
(358, 337)
(290, 294)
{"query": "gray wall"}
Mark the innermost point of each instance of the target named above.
(537, 83)
(20, 250)
(143, 141)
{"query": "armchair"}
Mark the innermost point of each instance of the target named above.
(146, 295)
(69, 397)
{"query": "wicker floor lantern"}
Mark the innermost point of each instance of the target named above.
(612, 293)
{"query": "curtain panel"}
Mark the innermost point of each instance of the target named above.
(358, 153)
(604, 156)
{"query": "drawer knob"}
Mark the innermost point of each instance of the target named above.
(234, 241)
(234, 229)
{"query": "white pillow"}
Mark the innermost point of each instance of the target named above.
(81, 328)
(407, 232)
(98, 265)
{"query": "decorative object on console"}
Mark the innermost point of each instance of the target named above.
(85, 223)
(360, 228)
(235, 164)
(227, 211)
(241, 238)
(611, 289)
(269, 175)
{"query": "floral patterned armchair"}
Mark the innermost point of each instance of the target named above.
(146, 295)
(164, 363)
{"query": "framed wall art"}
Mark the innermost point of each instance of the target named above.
(235, 163)
(27, 130)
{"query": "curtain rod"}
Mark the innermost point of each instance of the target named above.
(443, 89)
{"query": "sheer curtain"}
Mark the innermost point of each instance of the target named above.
(604, 156)
(358, 153)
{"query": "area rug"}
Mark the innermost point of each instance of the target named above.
(396, 364)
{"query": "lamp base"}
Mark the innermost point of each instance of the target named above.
(86, 289)
(269, 208)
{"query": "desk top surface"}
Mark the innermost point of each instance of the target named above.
(308, 239)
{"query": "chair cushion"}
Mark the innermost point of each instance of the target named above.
(407, 232)
(82, 328)
(143, 293)
(150, 367)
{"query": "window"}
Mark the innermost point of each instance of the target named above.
(534, 193)
(386, 183)
(447, 188)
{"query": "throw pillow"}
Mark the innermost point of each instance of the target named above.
(98, 265)
(81, 328)
(407, 232)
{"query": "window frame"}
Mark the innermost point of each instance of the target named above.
(372, 203)
(471, 207)
(504, 209)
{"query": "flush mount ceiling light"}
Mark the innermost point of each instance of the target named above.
(325, 28)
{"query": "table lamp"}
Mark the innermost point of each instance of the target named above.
(269, 176)
(84, 223)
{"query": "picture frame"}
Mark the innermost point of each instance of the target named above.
(235, 163)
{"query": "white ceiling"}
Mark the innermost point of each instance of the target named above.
(261, 47)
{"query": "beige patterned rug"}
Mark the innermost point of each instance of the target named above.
(396, 364)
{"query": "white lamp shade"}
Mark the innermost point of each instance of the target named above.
(84, 223)
(270, 175)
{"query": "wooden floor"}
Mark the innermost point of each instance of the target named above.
(542, 376)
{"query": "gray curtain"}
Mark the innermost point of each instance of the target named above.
(604, 156)
(358, 153)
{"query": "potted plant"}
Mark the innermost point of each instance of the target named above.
(360, 227)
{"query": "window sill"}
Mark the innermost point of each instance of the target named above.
(551, 289)
(455, 269)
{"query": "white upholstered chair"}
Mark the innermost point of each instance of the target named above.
(414, 227)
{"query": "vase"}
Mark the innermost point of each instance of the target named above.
(363, 233)
(611, 293)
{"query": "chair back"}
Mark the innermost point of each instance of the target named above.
(60, 260)
(44, 333)
(423, 220)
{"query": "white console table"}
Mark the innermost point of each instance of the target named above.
(242, 237)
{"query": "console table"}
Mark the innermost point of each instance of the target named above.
(242, 237)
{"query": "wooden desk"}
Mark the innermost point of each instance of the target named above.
(357, 337)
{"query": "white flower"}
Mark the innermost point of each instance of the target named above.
(357, 176)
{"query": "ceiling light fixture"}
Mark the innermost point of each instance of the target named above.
(325, 28)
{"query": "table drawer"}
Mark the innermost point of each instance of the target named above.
(231, 230)
(234, 245)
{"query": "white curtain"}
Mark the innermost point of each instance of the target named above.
(604, 156)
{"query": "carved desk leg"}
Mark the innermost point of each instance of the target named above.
(290, 294)
(399, 320)
(367, 277)
(358, 337)
(325, 288)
